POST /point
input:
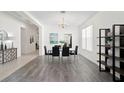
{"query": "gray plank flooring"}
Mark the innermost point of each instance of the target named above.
(44, 69)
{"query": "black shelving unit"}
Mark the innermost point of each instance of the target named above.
(103, 62)
(120, 69)
(114, 58)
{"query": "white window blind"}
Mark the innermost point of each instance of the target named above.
(87, 38)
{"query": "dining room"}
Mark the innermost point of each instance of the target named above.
(67, 51)
(61, 46)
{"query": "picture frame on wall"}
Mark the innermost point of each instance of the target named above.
(30, 40)
(53, 38)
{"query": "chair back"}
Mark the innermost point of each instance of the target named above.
(76, 50)
(45, 50)
(65, 51)
(55, 51)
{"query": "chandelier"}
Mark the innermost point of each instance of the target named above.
(62, 24)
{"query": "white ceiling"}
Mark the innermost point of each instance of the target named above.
(73, 18)
(21, 16)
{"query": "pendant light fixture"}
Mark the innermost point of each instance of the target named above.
(62, 24)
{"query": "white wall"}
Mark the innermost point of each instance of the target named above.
(27, 32)
(12, 27)
(100, 20)
(55, 29)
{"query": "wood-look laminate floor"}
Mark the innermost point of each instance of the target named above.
(44, 69)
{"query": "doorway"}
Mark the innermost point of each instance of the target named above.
(29, 40)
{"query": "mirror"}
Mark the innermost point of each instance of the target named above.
(3, 35)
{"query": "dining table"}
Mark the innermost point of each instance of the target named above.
(70, 49)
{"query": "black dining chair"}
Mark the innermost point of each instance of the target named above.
(74, 52)
(55, 52)
(46, 52)
(65, 52)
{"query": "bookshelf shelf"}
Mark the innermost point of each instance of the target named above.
(114, 58)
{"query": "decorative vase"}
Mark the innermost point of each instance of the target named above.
(109, 43)
(110, 52)
(12, 44)
(109, 34)
(1, 45)
(5, 47)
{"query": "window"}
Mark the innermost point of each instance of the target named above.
(87, 38)
(83, 39)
